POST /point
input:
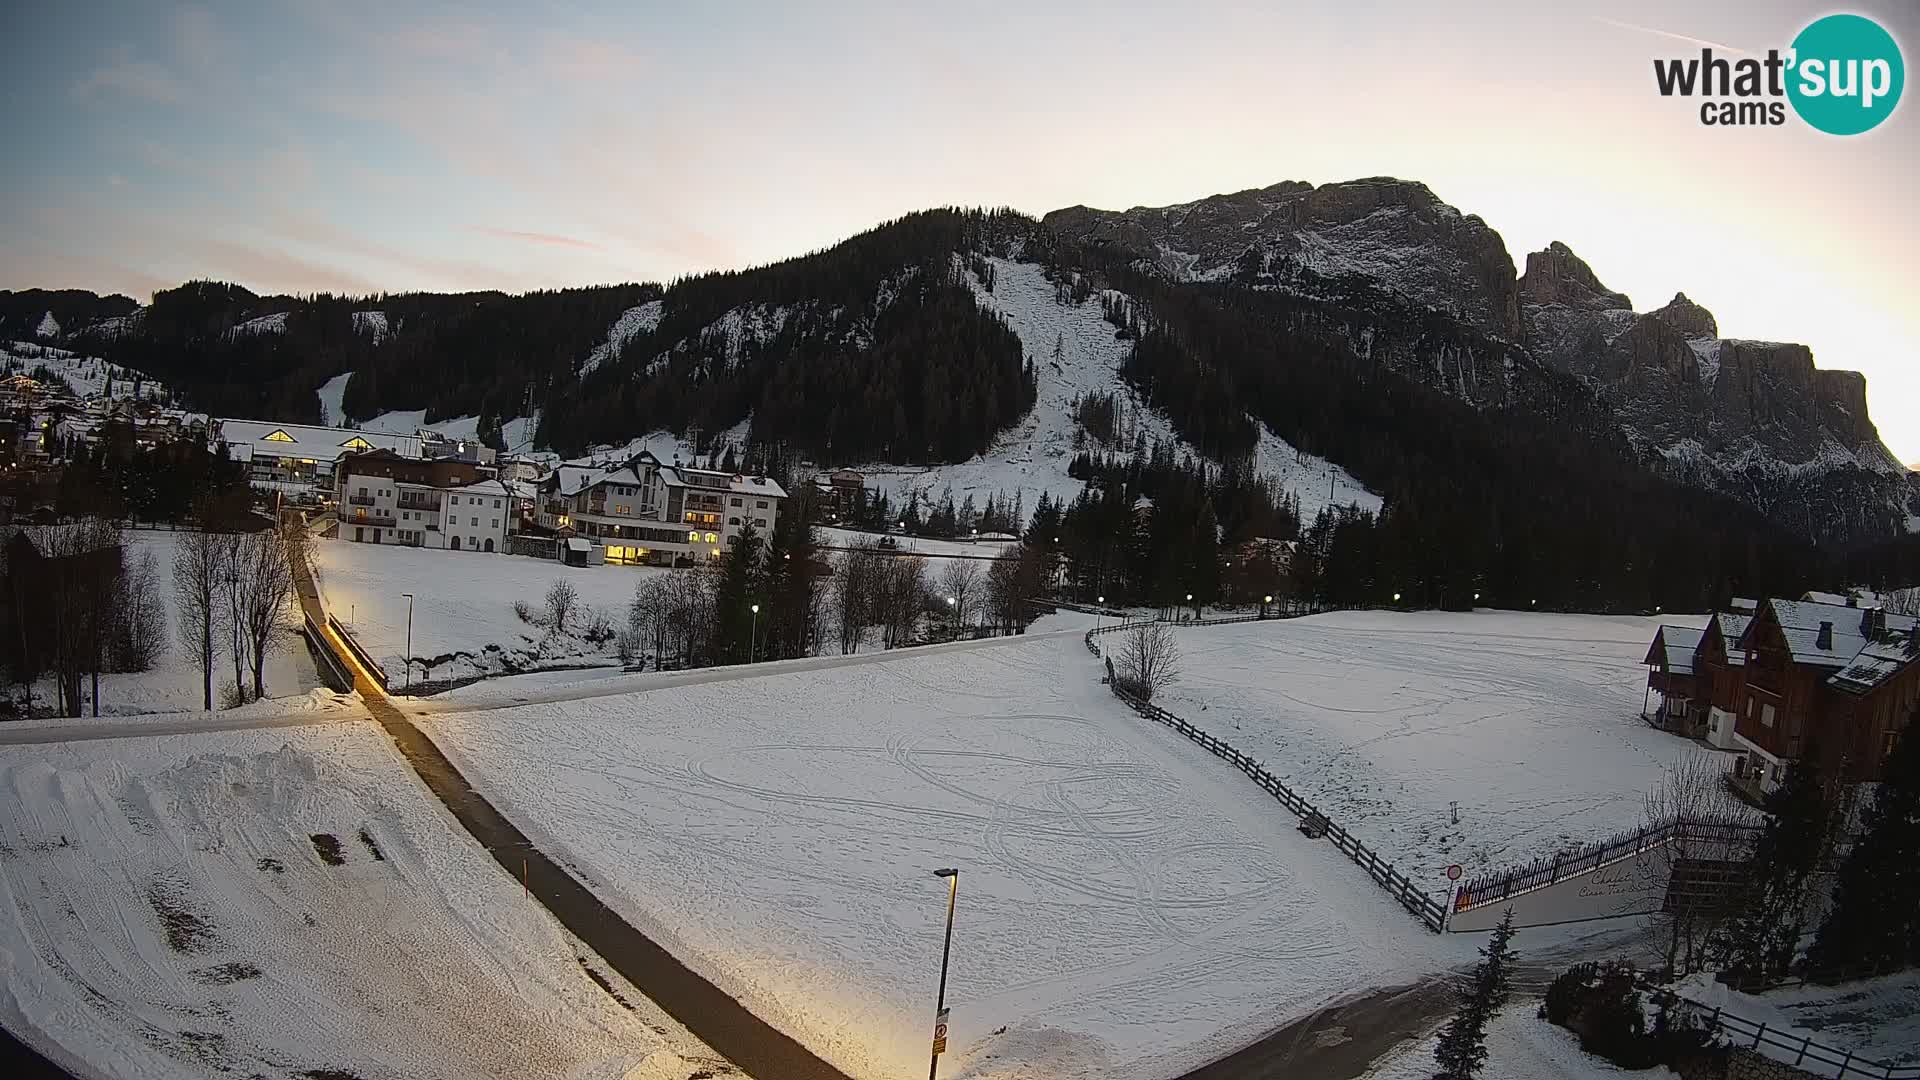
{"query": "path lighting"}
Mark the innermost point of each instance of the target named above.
(409, 682)
(1396, 598)
(946, 952)
(753, 633)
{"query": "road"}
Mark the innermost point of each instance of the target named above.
(704, 1009)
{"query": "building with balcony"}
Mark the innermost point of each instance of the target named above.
(456, 505)
(299, 460)
(1773, 678)
(647, 513)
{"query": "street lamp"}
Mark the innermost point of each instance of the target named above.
(753, 633)
(409, 684)
(940, 1006)
(1396, 598)
(1264, 601)
(953, 615)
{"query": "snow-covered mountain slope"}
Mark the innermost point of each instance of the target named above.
(637, 320)
(371, 323)
(1076, 354)
(331, 391)
(275, 323)
(89, 376)
(49, 326)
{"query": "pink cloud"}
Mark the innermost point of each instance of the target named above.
(549, 239)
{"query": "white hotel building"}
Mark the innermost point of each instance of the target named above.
(647, 513)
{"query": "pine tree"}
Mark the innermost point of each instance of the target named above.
(1760, 943)
(734, 597)
(1874, 924)
(1463, 1043)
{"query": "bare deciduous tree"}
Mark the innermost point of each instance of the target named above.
(901, 596)
(960, 581)
(80, 567)
(141, 632)
(198, 601)
(265, 579)
(1149, 659)
(1693, 793)
(562, 598)
(855, 579)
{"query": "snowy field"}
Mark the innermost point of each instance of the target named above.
(1127, 907)
(284, 903)
(1530, 722)
(174, 683)
(463, 619)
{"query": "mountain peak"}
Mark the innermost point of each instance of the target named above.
(1558, 276)
(1690, 319)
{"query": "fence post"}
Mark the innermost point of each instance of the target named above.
(1713, 1022)
(1757, 1035)
(1802, 1055)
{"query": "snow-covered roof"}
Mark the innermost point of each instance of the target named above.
(1801, 621)
(265, 438)
(484, 487)
(1741, 603)
(1825, 598)
(1731, 627)
(1673, 646)
(712, 480)
(1876, 663)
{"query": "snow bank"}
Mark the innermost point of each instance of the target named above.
(1127, 907)
(1520, 1046)
(1530, 722)
(1875, 1018)
(281, 903)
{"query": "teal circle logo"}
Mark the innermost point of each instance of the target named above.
(1847, 74)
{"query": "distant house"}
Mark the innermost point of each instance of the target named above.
(1670, 673)
(847, 487)
(1844, 675)
(644, 512)
(1720, 674)
(300, 459)
(383, 498)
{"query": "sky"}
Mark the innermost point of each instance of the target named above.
(333, 145)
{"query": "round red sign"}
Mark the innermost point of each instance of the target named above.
(1453, 872)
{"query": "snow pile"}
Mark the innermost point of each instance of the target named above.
(49, 326)
(1127, 907)
(371, 323)
(632, 323)
(275, 323)
(463, 619)
(1531, 723)
(331, 391)
(288, 902)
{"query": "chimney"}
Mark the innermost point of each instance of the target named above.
(1825, 640)
(1873, 623)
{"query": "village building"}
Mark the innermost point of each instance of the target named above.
(645, 513)
(382, 497)
(1780, 676)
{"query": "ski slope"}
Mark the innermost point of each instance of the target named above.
(1032, 457)
(1530, 722)
(1127, 908)
(287, 903)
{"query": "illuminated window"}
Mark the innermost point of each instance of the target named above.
(712, 538)
(693, 537)
(355, 443)
(279, 436)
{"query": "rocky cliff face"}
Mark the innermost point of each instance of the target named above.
(1755, 419)
(1393, 232)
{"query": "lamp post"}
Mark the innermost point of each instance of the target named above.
(1264, 601)
(409, 683)
(953, 615)
(753, 633)
(1100, 617)
(940, 1006)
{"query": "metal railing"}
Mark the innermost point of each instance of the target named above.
(331, 670)
(1801, 1052)
(360, 500)
(360, 654)
(1500, 885)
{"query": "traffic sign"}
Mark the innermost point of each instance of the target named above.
(940, 1033)
(1453, 872)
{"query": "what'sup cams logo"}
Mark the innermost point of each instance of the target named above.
(1843, 75)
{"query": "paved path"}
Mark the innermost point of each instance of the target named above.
(1342, 1040)
(704, 1009)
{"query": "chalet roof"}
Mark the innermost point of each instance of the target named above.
(484, 487)
(1800, 622)
(1673, 648)
(714, 480)
(1876, 663)
(1731, 627)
